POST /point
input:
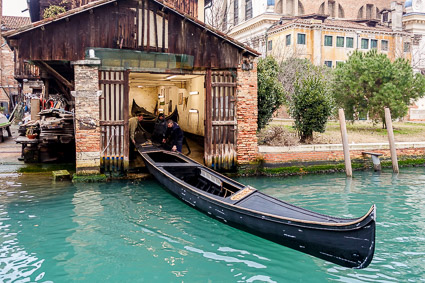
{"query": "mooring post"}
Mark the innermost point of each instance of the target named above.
(344, 136)
(393, 150)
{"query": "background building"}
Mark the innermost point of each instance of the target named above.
(329, 41)
(414, 23)
(9, 87)
(248, 20)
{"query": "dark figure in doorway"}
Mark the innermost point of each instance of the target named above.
(173, 137)
(133, 124)
(138, 135)
(160, 129)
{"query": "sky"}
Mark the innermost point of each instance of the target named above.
(14, 8)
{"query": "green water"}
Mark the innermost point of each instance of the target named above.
(137, 232)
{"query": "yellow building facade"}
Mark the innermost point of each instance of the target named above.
(330, 41)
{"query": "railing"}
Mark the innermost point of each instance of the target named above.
(26, 70)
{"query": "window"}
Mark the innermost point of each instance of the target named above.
(328, 63)
(328, 40)
(339, 63)
(301, 38)
(369, 8)
(288, 40)
(365, 43)
(270, 2)
(384, 45)
(270, 45)
(385, 17)
(406, 47)
(248, 9)
(373, 43)
(339, 41)
(350, 42)
(331, 8)
(236, 12)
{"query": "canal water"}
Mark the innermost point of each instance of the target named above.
(137, 232)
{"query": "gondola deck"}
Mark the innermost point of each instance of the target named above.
(347, 242)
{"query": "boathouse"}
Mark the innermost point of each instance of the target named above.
(107, 54)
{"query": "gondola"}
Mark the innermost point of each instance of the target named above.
(346, 242)
(149, 119)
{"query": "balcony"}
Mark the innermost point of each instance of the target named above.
(26, 70)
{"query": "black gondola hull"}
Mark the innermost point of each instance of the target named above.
(347, 245)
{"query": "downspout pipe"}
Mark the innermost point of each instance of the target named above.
(267, 35)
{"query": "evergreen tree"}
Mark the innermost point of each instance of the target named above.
(369, 82)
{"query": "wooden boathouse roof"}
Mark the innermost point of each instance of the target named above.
(117, 24)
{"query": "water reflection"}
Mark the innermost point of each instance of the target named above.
(124, 231)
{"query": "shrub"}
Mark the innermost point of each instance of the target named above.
(270, 90)
(311, 107)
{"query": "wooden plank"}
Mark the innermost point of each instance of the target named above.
(224, 123)
(163, 31)
(224, 84)
(219, 97)
(148, 23)
(126, 110)
(143, 24)
(109, 117)
(208, 118)
(156, 29)
(55, 74)
(116, 82)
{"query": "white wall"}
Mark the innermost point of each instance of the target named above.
(192, 122)
(145, 97)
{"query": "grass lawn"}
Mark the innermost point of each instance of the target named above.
(281, 132)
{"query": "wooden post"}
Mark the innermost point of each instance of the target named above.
(35, 108)
(347, 158)
(393, 150)
(208, 119)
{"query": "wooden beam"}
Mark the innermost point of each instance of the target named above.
(345, 146)
(55, 74)
(393, 149)
(208, 119)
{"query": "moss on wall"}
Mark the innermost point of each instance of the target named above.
(257, 168)
(89, 178)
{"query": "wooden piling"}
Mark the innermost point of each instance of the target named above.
(393, 150)
(347, 159)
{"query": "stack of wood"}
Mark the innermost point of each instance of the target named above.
(55, 140)
(56, 126)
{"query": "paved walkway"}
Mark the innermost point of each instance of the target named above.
(9, 152)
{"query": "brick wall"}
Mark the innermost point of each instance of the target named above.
(247, 114)
(7, 72)
(87, 131)
(295, 157)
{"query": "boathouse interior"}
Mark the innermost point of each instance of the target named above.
(163, 93)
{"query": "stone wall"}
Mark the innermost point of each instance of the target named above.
(350, 7)
(247, 115)
(87, 130)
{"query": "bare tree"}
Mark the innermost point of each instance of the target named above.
(219, 15)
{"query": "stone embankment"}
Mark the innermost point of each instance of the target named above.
(330, 157)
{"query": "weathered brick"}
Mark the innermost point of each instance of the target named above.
(87, 131)
(246, 113)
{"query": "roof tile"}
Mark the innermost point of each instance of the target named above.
(12, 22)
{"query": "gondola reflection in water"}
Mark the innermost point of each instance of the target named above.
(346, 242)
